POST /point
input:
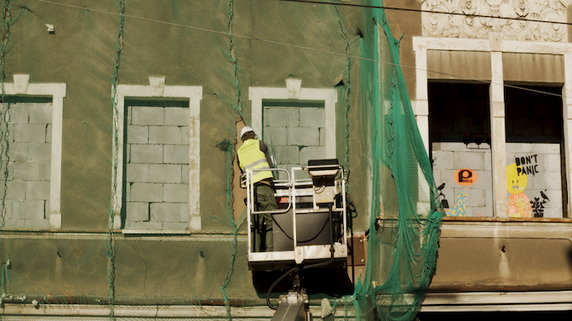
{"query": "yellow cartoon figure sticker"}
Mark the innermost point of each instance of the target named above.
(518, 202)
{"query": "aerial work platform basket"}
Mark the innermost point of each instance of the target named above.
(310, 224)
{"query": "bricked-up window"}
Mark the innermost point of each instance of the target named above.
(295, 131)
(534, 149)
(27, 154)
(460, 146)
(297, 123)
(156, 160)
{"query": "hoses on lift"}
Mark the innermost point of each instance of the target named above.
(297, 269)
(275, 283)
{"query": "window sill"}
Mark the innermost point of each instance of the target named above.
(506, 219)
(156, 232)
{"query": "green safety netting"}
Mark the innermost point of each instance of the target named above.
(403, 215)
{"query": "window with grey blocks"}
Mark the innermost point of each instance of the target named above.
(294, 134)
(475, 199)
(25, 190)
(460, 145)
(157, 168)
(541, 163)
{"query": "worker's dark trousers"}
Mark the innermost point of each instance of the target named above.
(265, 201)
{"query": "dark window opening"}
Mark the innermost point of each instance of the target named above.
(459, 112)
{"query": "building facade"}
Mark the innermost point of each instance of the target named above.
(121, 197)
(491, 97)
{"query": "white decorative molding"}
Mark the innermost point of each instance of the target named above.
(157, 88)
(497, 301)
(157, 84)
(467, 26)
(294, 85)
(21, 82)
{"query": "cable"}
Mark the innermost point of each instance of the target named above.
(111, 241)
(458, 77)
(4, 113)
(427, 11)
(224, 33)
(275, 283)
(295, 45)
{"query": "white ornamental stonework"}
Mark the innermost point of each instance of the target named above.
(469, 23)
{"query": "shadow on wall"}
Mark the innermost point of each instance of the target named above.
(333, 282)
(570, 255)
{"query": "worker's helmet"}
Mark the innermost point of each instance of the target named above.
(245, 130)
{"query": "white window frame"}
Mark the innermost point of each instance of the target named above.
(496, 46)
(157, 89)
(22, 86)
(328, 95)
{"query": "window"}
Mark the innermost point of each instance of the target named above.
(157, 158)
(520, 103)
(295, 131)
(534, 151)
(31, 154)
(459, 123)
(296, 123)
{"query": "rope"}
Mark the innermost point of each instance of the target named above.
(366, 59)
(233, 59)
(347, 86)
(230, 213)
(111, 241)
(4, 128)
(470, 15)
(229, 148)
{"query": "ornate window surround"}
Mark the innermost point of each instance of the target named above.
(496, 46)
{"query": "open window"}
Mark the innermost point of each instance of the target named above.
(460, 146)
(534, 151)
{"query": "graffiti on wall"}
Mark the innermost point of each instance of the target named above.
(458, 208)
(516, 182)
(527, 164)
(538, 204)
(518, 174)
(465, 177)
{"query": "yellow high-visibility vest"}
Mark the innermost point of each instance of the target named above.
(251, 157)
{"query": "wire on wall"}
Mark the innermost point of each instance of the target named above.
(230, 215)
(4, 112)
(111, 239)
(346, 85)
(472, 15)
(233, 59)
(304, 47)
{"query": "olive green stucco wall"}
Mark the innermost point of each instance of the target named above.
(272, 40)
(187, 42)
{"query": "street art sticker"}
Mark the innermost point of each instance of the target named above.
(519, 204)
(459, 206)
(465, 177)
(538, 204)
(527, 164)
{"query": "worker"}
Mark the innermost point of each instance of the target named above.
(253, 154)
